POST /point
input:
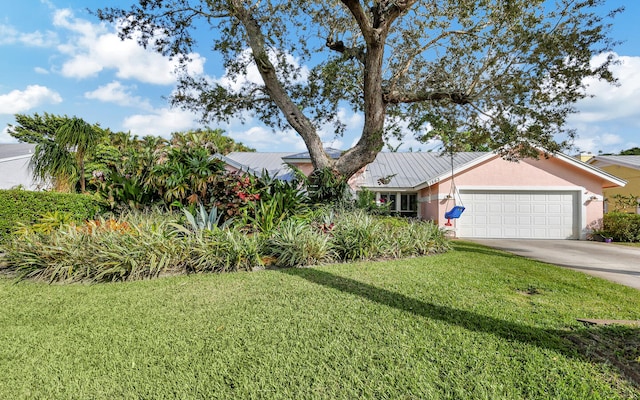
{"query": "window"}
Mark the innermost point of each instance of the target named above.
(407, 206)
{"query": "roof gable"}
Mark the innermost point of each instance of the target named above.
(420, 170)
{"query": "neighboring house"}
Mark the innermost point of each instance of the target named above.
(557, 197)
(14, 166)
(625, 167)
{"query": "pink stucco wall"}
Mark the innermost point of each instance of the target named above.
(526, 174)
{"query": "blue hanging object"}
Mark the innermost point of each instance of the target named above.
(455, 212)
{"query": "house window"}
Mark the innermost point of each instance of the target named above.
(402, 204)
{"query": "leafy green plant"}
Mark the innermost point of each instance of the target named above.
(203, 220)
(99, 251)
(624, 203)
(27, 207)
(294, 243)
(366, 200)
(356, 236)
(621, 227)
(232, 192)
(47, 223)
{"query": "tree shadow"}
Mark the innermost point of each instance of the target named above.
(469, 247)
(581, 344)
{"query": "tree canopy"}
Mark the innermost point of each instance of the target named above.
(634, 151)
(506, 73)
(62, 146)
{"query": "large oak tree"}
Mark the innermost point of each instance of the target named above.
(501, 73)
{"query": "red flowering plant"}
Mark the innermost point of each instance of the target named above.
(233, 192)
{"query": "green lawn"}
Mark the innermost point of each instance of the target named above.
(472, 323)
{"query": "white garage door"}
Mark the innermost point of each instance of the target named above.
(519, 214)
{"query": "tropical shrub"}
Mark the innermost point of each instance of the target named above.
(295, 243)
(146, 245)
(231, 192)
(366, 200)
(121, 170)
(26, 207)
(356, 236)
(327, 186)
(100, 250)
(202, 220)
(621, 227)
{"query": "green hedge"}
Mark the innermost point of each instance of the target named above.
(22, 206)
(622, 227)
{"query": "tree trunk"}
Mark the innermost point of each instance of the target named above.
(277, 92)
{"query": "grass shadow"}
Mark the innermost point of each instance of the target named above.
(571, 344)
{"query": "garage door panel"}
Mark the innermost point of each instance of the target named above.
(519, 214)
(525, 208)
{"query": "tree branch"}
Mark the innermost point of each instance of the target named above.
(396, 97)
(276, 90)
(359, 15)
(348, 52)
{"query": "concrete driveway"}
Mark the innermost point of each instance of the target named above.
(616, 263)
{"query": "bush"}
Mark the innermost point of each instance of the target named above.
(296, 243)
(356, 236)
(141, 246)
(101, 250)
(621, 227)
(26, 207)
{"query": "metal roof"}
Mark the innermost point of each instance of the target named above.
(409, 170)
(12, 150)
(331, 152)
(399, 171)
(626, 161)
(257, 163)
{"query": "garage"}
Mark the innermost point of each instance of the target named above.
(519, 214)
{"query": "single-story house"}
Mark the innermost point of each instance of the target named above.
(625, 167)
(554, 197)
(14, 166)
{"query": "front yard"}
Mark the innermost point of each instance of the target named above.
(471, 323)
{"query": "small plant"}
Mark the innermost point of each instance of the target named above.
(622, 203)
(47, 223)
(202, 220)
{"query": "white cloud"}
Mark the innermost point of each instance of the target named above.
(608, 122)
(95, 48)
(253, 133)
(41, 71)
(5, 137)
(18, 101)
(613, 102)
(116, 92)
(9, 36)
(161, 122)
(252, 76)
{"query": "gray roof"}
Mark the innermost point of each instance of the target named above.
(409, 170)
(256, 163)
(627, 161)
(400, 171)
(12, 150)
(331, 152)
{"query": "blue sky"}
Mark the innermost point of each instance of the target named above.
(58, 58)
